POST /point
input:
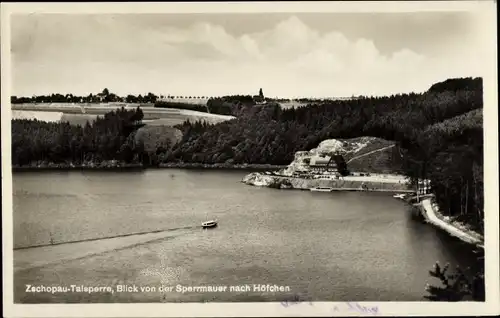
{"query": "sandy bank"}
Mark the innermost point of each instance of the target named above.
(186, 165)
(350, 183)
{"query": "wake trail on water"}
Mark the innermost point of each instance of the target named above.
(105, 238)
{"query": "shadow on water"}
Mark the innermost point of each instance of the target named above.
(92, 254)
(106, 238)
(37, 257)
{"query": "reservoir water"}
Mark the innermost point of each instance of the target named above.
(343, 246)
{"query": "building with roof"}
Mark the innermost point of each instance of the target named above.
(323, 164)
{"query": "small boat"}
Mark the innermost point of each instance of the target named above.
(399, 196)
(209, 224)
(322, 189)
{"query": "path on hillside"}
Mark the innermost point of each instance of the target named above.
(453, 230)
(369, 153)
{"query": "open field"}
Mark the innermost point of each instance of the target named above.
(35, 106)
(77, 114)
(193, 101)
(384, 161)
(38, 115)
(372, 145)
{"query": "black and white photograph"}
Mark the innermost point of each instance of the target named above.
(331, 160)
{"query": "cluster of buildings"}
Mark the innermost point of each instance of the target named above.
(321, 164)
(318, 166)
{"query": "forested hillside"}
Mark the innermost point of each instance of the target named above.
(439, 133)
(107, 138)
(268, 134)
(450, 154)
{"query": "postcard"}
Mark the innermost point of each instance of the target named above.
(246, 159)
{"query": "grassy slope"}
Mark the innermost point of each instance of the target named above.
(386, 161)
(74, 113)
(373, 144)
(381, 162)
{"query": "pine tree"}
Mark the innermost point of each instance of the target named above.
(455, 287)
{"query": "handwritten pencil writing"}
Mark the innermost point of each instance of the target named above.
(294, 301)
(353, 306)
(348, 306)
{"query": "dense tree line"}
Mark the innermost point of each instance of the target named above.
(397, 117)
(108, 138)
(469, 84)
(104, 97)
(230, 105)
(179, 105)
(450, 154)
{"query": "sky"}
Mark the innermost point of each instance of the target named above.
(287, 55)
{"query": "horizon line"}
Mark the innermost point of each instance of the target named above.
(202, 96)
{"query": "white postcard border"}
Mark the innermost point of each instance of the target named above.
(491, 306)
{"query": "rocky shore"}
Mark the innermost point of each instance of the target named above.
(299, 174)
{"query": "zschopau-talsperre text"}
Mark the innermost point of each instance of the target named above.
(132, 288)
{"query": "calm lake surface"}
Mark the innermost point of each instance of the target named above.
(323, 246)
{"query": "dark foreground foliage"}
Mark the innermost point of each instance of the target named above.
(456, 286)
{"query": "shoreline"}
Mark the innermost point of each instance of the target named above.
(434, 217)
(377, 183)
(137, 166)
(349, 190)
(186, 165)
(66, 167)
